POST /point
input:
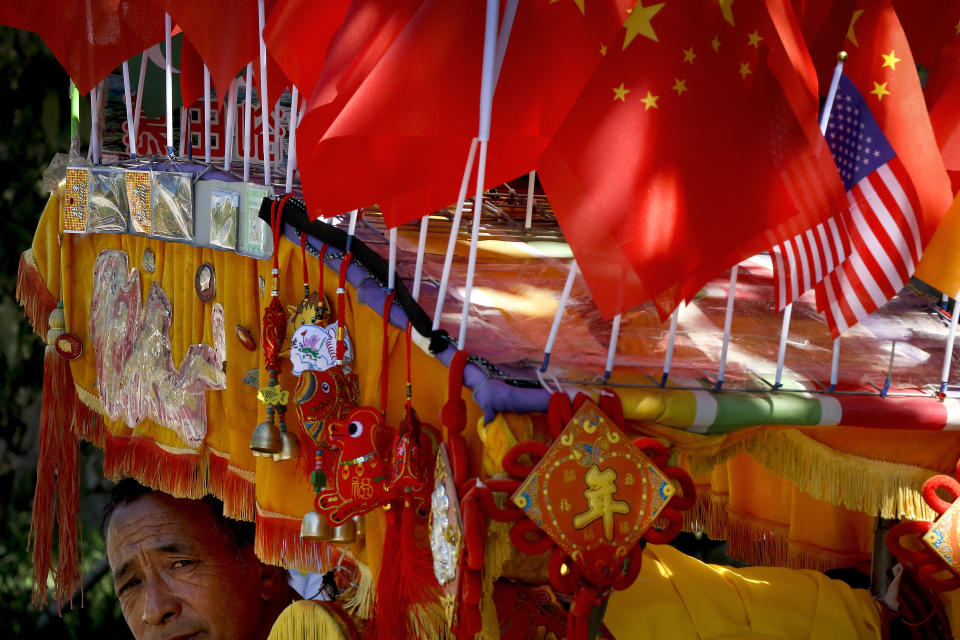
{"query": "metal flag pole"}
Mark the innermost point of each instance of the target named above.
(247, 115)
(421, 250)
(131, 132)
(827, 107)
(727, 322)
(206, 114)
(558, 316)
(788, 310)
(168, 54)
(264, 98)
(392, 261)
(671, 339)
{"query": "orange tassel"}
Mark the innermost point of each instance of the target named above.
(33, 296)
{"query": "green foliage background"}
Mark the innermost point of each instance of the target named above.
(34, 125)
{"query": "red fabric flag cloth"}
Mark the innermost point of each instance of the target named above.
(225, 33)
(191, 73)
(298, 35)
(411, 121)
(277, 81)
(685, 167)
(898, 190)
(90, 39)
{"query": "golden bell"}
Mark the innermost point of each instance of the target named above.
(315, 527)
(289, 447)
(266, 440)
(346, 533)
(360, 523)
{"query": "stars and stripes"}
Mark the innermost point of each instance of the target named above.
(883, 223)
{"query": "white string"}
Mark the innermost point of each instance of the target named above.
(421, 249)
(671, 339)
(454, 232)
(128, 103)
(948, 354)
(206, 114)
(612, 350)
(264, 98)
(392, 261)
(558, 316)
(247, 115)
(727, 321)
(292, 144)
(230, 126)
(531, 181)
(169, 80)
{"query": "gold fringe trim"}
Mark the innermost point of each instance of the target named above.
(33, 295)
(307, 620)
(278, 542)
(709, 514)
(359, 600)
(857, 483)
(761, 542)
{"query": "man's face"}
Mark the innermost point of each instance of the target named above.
(178, 576)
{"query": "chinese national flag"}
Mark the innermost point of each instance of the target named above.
(694, 145)
(298, 35)
(410, 122)
(191, 73)
(90, 39)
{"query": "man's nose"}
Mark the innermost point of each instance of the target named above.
(160, 604)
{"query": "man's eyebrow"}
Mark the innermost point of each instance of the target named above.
(118, 573)
(170, 547)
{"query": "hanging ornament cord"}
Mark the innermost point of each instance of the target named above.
(385, 355)
(274, 318)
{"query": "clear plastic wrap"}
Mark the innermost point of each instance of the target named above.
(138, 199)
(171, 205)
(224, 206)
(107, 208)
(255, 237)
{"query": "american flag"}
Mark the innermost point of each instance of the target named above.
(885, 239)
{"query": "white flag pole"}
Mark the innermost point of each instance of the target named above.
(264, 98)
(948, 354)
(492, 44)
(727, 322)
(128, 102)
(612, 350)
(392, 261)
(94, 129)
(671, 339)
(231, 115)
(206, 114)
(136, 110)
(558, 316)
(168, 49)
(247, 116)
(421, 250)
(292, 143)
(531, 181)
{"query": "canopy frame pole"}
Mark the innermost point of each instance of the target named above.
(612, 349)
(558, 316)
(948, 353)
(136, 111)
(231, 116)
(292, 139)
(727, 322)
(671, 340)
(531, 183)
(168, 71)
(392, 261)
(247, 117)
(94, 125)
(206, 115)
(421, 250)
(264, 97)
(128, 103)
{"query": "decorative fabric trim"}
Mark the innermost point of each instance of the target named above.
(33, 295)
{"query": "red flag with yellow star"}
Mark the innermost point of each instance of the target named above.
(410, 119)
(694, 145)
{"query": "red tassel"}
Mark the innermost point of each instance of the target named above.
(33, 295)
(57, 492)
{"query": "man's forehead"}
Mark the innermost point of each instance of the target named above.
(156, 521)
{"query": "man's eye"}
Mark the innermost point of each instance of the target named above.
(127, 585)
(181, 563)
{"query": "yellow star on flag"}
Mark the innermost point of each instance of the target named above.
(880, 90)
(716, 43)
(603, 49)
(639, 22)
(620, 93)
(689, 55)
(755, 39)
(579, 4)
(851, 35)
(890, 60)
(650, 102)
(956, 28)
(726, 9)
(745, 70)
(680, 85)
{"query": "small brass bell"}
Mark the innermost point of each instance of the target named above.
(315, 527)
(360, 523)
(289, 447)
(266, 440)
(346, 533)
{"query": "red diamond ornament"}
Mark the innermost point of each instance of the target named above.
(594, 493)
